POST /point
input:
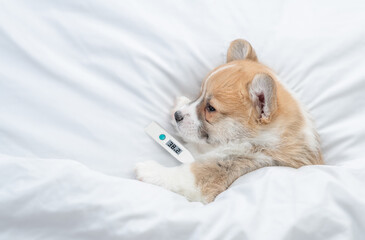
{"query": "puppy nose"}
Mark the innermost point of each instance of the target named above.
(178, 116)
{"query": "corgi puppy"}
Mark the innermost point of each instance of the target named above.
(243, 120)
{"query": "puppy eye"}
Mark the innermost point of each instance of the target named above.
(210, 108)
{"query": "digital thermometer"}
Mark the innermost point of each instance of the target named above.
(169, 143)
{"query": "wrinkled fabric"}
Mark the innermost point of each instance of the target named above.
(79, 81)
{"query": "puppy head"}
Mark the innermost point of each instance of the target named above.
(235, 101)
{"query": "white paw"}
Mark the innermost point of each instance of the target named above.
(150, 172)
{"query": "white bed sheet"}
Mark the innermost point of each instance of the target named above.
(79, 81)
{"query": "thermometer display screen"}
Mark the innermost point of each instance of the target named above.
(173, 147)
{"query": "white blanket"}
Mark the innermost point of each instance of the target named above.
(80, 80)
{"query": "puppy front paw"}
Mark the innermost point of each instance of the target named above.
(150, 172)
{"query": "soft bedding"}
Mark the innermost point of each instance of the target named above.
(80, 80)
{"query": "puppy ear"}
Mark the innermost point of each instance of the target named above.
(263, 96)
(240, 49)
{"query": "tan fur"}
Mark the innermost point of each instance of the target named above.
(236, 46)
(228, 92)
(215, 176)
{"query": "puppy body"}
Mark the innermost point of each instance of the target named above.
(243, 119)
